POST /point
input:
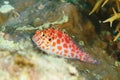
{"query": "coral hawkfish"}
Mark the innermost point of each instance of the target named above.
(53, 41)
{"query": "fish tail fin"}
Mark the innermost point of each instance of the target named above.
(87, 58)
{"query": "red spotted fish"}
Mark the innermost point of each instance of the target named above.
(53, 41)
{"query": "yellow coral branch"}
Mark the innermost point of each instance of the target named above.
(97, 5)
(118, 4)
(117, 28)
(105, 2)
(117, 36)
(113, 18)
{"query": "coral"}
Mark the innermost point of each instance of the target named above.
(117, 28)
(116, 16)
(117, 36)
(98, 4)
(118, 4)
(113, 18)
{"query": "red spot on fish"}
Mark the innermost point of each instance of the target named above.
(54, 44)
(62, 40)
(59, 34)
(77, 51)
(72, 54)
(77, 56)
(38, 39)
(65, 45)
(80, 54)
(59, 48)
(58, 41)
(53, 50)
(65, 54)
(73, 50)
(67, 40)
(65, 51)
(72, 45)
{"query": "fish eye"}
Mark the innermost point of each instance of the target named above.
(50, 39)
(43, 35)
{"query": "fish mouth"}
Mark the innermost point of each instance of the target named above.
(37, 35)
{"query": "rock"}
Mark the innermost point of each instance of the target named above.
(73, 70)
(6, 7)
(20, 65)
(24, 75)
(101, 44)
(3, 18)
(37, 22)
